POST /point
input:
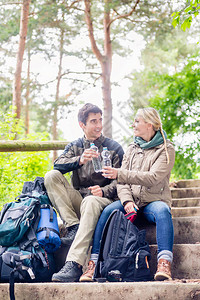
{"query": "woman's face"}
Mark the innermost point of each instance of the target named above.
(141, 128)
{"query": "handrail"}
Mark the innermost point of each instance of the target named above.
(29, 146)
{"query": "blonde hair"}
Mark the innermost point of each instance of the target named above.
(150, 115)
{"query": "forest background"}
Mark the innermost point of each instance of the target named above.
(121, 55)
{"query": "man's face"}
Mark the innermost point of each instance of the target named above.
(93, 127)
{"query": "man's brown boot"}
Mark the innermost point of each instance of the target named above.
(88, 275)
(163, 270)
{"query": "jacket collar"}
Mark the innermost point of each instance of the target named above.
(98, 142)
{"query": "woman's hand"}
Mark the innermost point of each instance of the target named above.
(109, 172)
(129, 207)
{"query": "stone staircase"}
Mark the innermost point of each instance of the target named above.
(186, 220)
(185, 269)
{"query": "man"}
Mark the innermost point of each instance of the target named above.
(81, 203)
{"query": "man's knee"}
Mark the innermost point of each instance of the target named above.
(89, 200)
(51, 176)
(90, 203)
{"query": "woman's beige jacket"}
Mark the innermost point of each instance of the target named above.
(144, 174)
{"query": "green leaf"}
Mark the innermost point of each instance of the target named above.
(176, 21)
(189, 8)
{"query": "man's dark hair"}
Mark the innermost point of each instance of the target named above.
(85, 110)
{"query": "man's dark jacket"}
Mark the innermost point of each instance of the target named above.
(84, 176)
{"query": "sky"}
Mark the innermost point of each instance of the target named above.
(121, 67)
(46, 71)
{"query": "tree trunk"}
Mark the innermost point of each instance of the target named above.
(27, 96)
(55, 113)
(20, 54)
(105, 61)
(106, 66)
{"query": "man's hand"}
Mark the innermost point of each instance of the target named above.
(96, 190)
(87, 155)
(129, 207)
(109, 172)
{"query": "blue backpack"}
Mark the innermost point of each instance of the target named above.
(124, 253)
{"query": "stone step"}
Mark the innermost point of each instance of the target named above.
(186, 230)
(186, 261)
(185, 211)
(186, 202)
(185, 192)
(188, 183)
(167, 290)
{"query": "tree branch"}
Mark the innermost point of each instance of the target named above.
(72, 4)
(86, 72)
(124, 15)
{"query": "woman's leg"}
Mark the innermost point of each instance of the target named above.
(158, 212)
(101, 223)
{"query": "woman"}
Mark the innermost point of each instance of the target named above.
(143, 184)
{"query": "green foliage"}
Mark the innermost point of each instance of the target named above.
(178, 97)
(177, 100)
(5, 96)
(18, 167)
(185, 16)
(170, 82)
(9, 125)
(9, 21)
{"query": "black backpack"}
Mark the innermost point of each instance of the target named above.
(124, 253)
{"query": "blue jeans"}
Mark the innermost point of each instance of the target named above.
(156, 212)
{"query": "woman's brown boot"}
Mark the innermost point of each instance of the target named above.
(163, 270)
(88, 275)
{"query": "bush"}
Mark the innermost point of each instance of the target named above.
(18, 167)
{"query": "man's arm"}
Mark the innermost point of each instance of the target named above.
(69, 159)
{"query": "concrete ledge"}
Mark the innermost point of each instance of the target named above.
(104, 291)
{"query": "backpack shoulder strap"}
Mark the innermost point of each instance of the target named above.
(4, 209)
(97, 273)
(104, 233)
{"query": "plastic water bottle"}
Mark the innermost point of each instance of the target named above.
(96, 160)
(106, 157)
